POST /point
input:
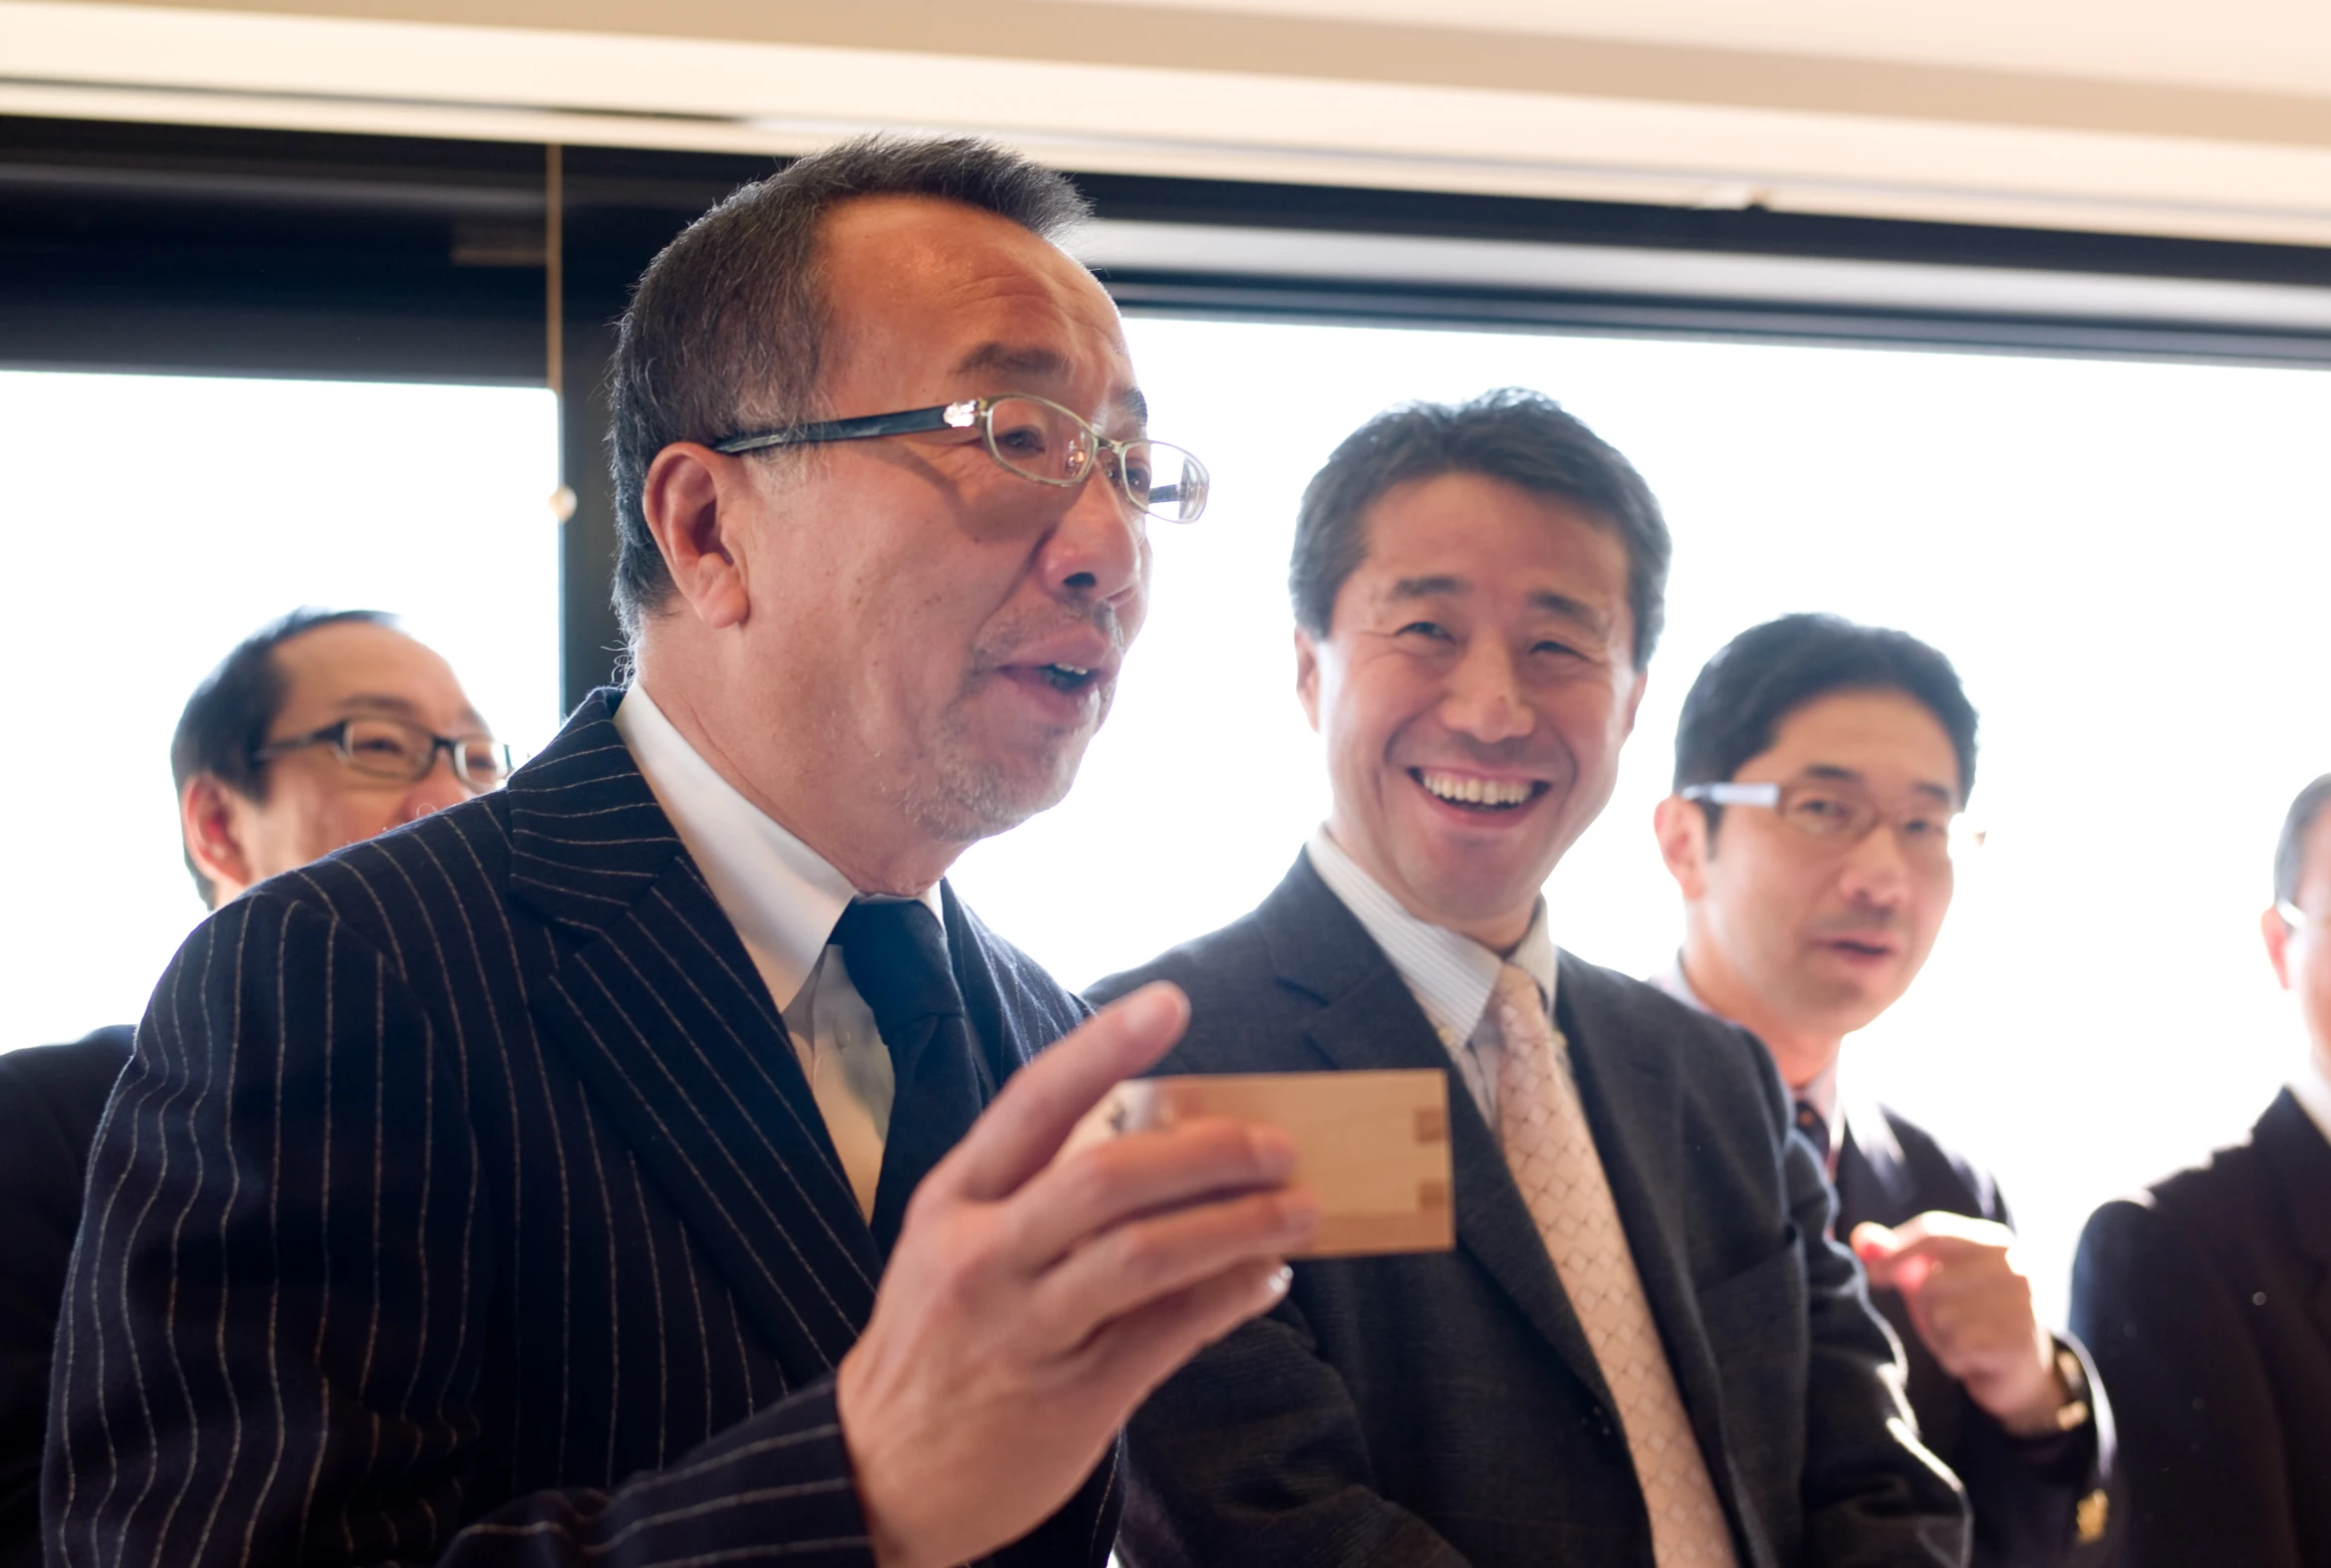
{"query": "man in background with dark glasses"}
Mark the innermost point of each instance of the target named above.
(1821, 768)
(652, 1161)
(319, 729)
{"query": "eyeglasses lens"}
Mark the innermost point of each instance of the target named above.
(387, 748)
(1174, 482)
(1034, 439)
(1845, 815)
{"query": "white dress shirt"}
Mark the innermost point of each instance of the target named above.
(1820, 1092)
(784, 900)
(1451, 975)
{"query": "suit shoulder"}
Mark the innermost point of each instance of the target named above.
(1619, 1001)
(67, 1083)
(1223, 962)
(1942, 1171)
(385, 889)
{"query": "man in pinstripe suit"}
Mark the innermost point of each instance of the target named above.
(521, 1187)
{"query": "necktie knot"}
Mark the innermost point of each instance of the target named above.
(1517, 993)
(897, 958)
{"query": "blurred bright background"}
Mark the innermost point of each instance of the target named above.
(2125, 561)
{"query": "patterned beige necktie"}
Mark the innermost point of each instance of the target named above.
(1552, 1154)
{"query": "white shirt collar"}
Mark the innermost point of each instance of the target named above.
(2311, 1087)
(1451, 974)
(1820, 1094)
(781, 896)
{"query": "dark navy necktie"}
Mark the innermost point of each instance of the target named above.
(897, 953)
(1814, 1128)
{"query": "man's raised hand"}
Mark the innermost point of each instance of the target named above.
(1973, 1307)
(1032, 1302)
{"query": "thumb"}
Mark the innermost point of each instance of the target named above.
(1876, 1246)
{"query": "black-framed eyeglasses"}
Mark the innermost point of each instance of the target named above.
(1033, 437)
(1840, 815)
(402, 751)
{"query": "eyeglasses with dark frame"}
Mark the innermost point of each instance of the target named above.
(402, 751)
(1033, 437)
(1840, 815)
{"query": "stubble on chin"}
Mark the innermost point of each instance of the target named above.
(963, 794)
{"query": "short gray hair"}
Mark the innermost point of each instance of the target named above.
(726, 326)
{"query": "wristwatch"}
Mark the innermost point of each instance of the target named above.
(2074, 1413)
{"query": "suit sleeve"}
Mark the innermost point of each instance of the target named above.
(40, 1205)
(270, 1336)
(2201, 1446)
(1252, 1456)
(1873, 1495)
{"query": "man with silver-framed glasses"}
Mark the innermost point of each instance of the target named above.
(652, 1160)
(1822, 769)
(317, 731)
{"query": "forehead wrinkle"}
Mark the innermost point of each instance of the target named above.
(1041, 364)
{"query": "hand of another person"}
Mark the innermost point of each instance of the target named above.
(1031, 1303)
(1971, 1306)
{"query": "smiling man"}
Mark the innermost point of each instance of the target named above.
(1820, 771)
(1642, 1350)
(654, 1162)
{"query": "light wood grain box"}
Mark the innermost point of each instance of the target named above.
(1373, 1147)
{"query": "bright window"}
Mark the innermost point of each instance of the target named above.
(2127, 562)
(154, 522)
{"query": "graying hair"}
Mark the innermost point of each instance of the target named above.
(727, 325)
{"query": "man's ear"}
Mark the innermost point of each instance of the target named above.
(695, 500)
(2277, 930)
(1681, 829)
(1307, 675)
(213, 833)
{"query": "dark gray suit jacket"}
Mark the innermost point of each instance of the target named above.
(2207, 1303)
(463, 1202)
(1445, 1408)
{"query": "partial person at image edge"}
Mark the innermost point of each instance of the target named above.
(1821, 770)
(2208, 1298)
(266, 780)
(1477, 592)
(725, 1216)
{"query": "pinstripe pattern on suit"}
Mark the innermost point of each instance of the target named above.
(464, 1202)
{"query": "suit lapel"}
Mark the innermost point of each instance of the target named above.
(661, 1012)
(1873, 1178)
(1369, 1020)
(1633, 1101)
(2300, 1157)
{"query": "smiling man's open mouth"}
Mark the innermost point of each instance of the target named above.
(1067, 678)
(1471, 792)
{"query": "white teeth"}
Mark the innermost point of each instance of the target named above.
(1474, 790)
(1069, 669)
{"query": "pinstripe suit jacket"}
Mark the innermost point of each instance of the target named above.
(463, 1202)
